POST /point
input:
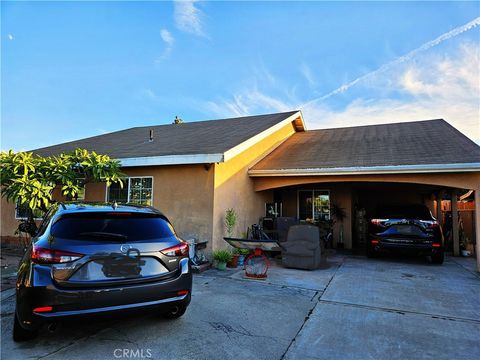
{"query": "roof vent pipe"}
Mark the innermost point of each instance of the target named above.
(151, 135)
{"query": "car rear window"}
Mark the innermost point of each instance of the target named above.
(418, 212)
(112, 226)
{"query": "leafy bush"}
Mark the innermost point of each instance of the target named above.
(230, 221)
(222, 255)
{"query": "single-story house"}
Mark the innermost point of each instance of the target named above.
(194, 171)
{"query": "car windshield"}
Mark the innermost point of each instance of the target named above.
(112, 227)
(419, 212)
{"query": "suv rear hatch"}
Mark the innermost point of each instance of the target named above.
(115, 248)
(412, 224)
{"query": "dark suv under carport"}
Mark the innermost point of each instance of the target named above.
(408, 229)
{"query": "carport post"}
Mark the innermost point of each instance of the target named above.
(455, 235)
(439, 207)
(477, 226)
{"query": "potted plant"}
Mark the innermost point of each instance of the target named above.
(242, 253)
(222, 257)
(230, 221)
(234, 262)
(339, 214)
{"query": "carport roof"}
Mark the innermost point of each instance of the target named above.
(417, 146)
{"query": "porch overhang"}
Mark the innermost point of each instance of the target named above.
(359, 170)
(461, 179)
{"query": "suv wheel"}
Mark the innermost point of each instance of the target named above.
(438, 258)
(21, 334)
(371, 253)
(175, 312)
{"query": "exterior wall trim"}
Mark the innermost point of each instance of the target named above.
(397, 169)
(171, 160)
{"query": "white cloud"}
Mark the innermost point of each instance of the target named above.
(169, 41)
(434, 87)
(405, 58)
(428, 87)
(188, 17)
(10, 37)
(308, 74)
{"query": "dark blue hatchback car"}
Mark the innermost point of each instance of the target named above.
(98, 258)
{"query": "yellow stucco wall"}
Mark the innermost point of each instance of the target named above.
(235, 189)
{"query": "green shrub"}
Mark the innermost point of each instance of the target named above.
(230, 221)
(243, 252)
(222, 255)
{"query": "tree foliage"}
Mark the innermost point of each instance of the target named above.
(32, 178)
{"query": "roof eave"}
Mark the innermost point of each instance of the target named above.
(172, 160)
(296, 119)
(370, 170)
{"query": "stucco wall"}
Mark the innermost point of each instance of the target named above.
(184, 193)
(235, 189)
(93, 192)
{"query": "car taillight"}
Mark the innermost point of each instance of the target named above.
(431, 224)
(43, 309)
(374, 241)
(436, 245)
(378, 222)
(50, 256)
(177, 250)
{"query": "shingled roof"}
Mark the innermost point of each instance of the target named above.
(189, 142)
(427, 145)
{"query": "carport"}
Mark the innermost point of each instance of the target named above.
(359, 167)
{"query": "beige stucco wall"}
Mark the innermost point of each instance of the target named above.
(184, 193)
(7, 216)
(235, 189)
(93, 192)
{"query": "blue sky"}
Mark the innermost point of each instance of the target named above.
(78, 69)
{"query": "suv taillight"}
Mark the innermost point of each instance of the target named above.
(378, 222)
(50, 256)
(177, 250)
(430, 223)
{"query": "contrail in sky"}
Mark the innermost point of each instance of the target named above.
(451, 34)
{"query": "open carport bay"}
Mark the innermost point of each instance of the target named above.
(356, 309)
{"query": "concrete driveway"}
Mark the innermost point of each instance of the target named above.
(356, 309)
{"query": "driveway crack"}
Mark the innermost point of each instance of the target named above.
(311, 310)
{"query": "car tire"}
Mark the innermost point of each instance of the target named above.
(175, 312)
(438, 258)
(371, 253)
(20, 333)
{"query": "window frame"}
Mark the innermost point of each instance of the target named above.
(312, 191)
(23, 217)
(128, 187)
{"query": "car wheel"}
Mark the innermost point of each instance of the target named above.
(21, 334)
(438, 258)
(175, 312)
(371, 253)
